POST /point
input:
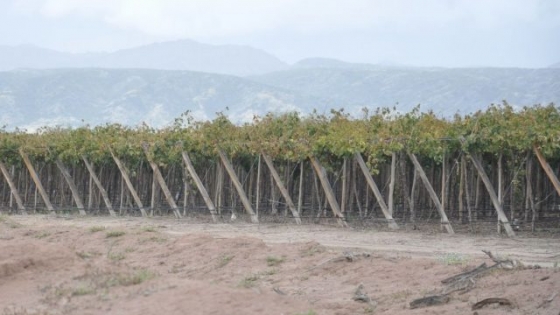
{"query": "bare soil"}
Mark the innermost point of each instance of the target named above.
(101, 265)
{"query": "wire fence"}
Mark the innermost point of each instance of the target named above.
(429, 222)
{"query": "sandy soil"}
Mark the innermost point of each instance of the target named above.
(101, 265)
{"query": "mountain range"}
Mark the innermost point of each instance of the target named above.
(158, 82)
(34, 98)
(443, 90)
(175, 55)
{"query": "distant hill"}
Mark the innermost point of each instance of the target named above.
(445, 91)
(34, 98)
(339, 64)
(556, 65)
(174, 55)
(329, 63)
(114, 87)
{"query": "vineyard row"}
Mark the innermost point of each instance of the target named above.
(390, 167)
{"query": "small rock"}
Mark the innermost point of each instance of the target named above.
(360, 295)
(277, 290)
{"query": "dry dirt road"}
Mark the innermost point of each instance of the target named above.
(102, 265)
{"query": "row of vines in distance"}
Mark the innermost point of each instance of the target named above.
(502, 138)
(292, 137)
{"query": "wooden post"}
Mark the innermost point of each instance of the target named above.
(344, 197)
(90, 193)
(529, 198)
(432, 193)
(462, 181)
(162, 184)
(13, 188)
(99, 186)
(282, 188)
(238, 187)
(219, 188)
(547, 169)
(122, 198)
(124, 174)
(153, 197)
(501, 215)
(500, 186)
(391, 203)
(413, 195)
(186, 190)
(257, 197)
(200, 186)
(273, 196)
(443, 182)
(11, 194)
(300, 190)
(322, 174)
(37, 181)
(369, 179)
(72, 185)
(467, 193)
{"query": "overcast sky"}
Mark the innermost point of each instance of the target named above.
(452, 33)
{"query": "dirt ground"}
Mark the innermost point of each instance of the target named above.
(101, 265)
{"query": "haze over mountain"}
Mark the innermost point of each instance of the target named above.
(150, 84)
(445, 91)
(556, 65)
(71, 97)
(34, 98)
(318, 62)
(173, 55)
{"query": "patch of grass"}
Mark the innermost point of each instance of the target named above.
(310, 312)
(114, 234)
(14, 225)
(451, 259)
(224, 260)
(315, 249)
(42, 235)
(61, 291)
(97, 228)
(116, 256)
(149, 229)
(86, 255)
(249, 281)
(129, 249)
(274, 261)
(9, 222)
(155, 239)
(400, 295)
(269, 272)
(136, 277)
(82, 290)
(177, 268)
(23, 311)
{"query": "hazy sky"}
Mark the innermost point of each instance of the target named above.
(519, 33)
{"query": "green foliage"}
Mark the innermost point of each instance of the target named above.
(274, 261)
(451, 259)
(96, 228)
(134, 278)
(249, 281)
(501, 129)
(224, 260)
(111, 234)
